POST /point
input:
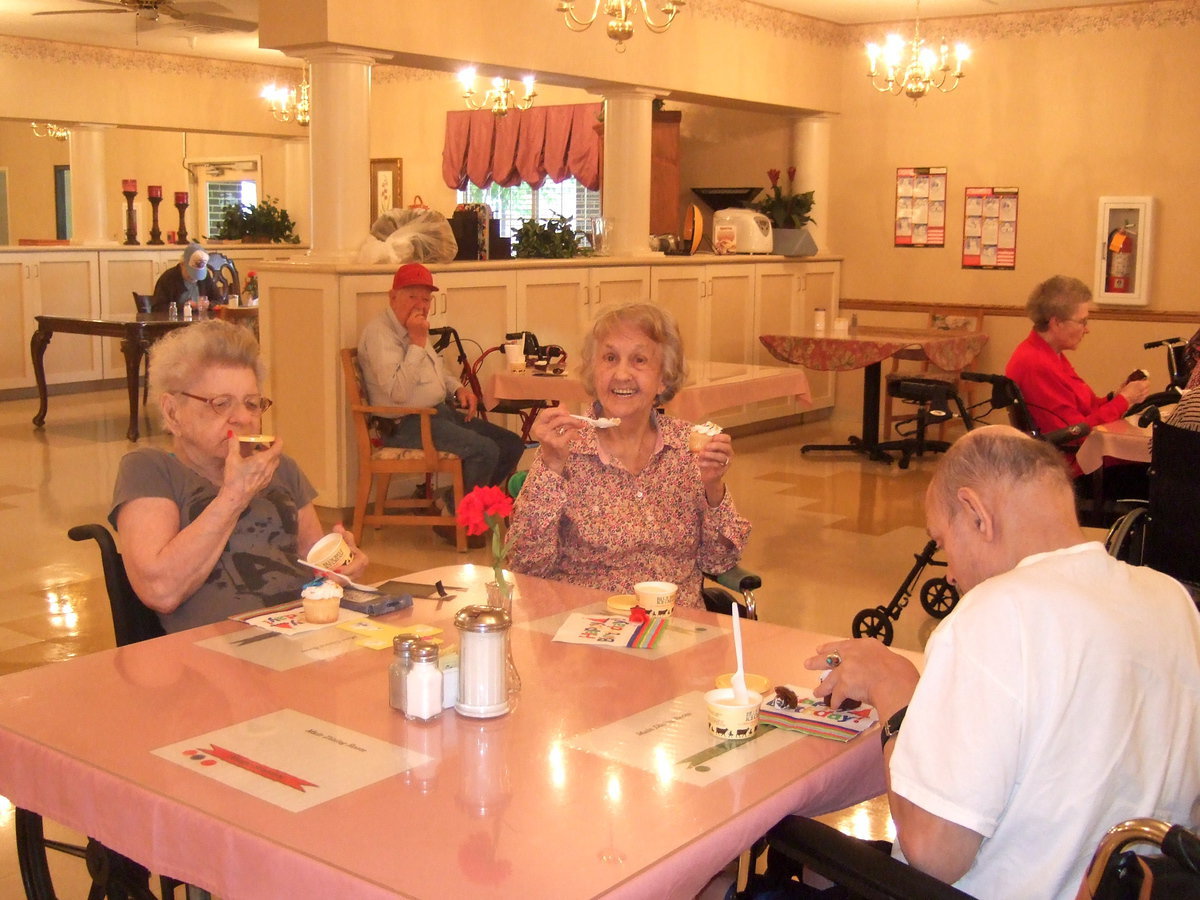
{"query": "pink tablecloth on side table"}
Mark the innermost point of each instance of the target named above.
(1122, 439)
(948, 350)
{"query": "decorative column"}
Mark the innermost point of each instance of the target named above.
(628, 119)
(341, 210)
(810, 155)
(90, 198)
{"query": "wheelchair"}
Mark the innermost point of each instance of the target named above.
(1162, 532)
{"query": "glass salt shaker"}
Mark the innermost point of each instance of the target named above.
(403, 645)
(173, 311)
(187, 312)
(483, 661)
(423, 684)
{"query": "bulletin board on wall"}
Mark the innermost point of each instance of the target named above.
(990, 228)
(920, 207)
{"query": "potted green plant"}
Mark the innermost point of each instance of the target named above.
(789, 213)
(263, 223)
(552, 239)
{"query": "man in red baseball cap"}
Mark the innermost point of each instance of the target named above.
(401, 368)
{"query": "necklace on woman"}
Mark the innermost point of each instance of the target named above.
(633, 461)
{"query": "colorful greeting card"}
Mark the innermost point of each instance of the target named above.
(811, 716)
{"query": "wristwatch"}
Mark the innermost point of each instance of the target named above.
(891, 727)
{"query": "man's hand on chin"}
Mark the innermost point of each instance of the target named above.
(417, 326)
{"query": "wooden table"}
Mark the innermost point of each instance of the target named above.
(518, 805)
(950, 351)
(136, 332)
(711, 386)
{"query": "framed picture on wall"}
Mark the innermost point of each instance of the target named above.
(386, 186)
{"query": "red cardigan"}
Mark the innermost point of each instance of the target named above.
(1054, 392)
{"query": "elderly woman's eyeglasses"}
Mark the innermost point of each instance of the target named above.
(222, 404)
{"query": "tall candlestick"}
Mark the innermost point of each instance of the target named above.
(129, 189)
(181, 204)
(155, 233)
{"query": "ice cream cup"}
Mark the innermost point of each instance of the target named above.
(656, 597)
(514, 352)
(252, 443)
(330, 552)
(730, 720)
(757, 683)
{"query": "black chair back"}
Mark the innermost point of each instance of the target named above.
(133, 621)
(143, 302)
(225, 273)
(1171, 532)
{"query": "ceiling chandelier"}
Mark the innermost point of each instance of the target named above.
(290, 104)
(50, 130)
(918, 72)
(500, 97)
(620, 28)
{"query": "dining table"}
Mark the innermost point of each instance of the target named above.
(867, 348)
(709, 386)
(255, 764)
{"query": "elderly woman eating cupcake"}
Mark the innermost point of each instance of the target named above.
(215, 526)
(620, 498)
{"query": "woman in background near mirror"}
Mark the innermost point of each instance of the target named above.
(207, 532)
(609, 507)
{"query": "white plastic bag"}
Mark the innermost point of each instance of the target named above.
(409, 235)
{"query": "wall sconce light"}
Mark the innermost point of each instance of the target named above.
(50, 130)
(290, 104)
(499, 97)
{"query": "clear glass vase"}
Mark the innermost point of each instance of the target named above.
(500, 595)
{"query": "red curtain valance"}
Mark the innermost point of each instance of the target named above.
(532, 145)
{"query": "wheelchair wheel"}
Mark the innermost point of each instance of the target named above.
(939, 597)
(873, 623)
(1125, 538)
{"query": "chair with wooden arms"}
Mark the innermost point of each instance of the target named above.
(384, 462)
(113, 875)
(898, 410)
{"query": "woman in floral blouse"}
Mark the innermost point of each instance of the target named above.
(609, 507)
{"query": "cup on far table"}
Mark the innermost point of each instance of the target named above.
(514, 352)
(656, 597)
(330, 552)
(730, 720)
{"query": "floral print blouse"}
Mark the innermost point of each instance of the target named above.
(601, 526)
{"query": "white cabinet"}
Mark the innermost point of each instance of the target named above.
(713, 305)
(480, 306)
(559, 305)
(49, 283)
(786, 296)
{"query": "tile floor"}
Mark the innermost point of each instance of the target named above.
(832, 534)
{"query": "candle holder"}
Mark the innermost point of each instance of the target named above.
(155, 233)
(183, 235)
(130, 219)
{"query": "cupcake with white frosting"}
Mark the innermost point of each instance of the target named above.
(701, 435)
(321, 599)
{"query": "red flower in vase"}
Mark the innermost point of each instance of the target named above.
(483, 508)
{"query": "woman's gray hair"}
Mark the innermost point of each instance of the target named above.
(177, 360)
(654, 322)
(996, 458)
(1055, 298)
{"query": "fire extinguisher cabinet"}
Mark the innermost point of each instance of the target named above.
(1124, 237)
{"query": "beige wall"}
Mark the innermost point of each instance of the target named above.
(1069, 112)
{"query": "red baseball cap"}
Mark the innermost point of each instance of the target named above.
(413, 275)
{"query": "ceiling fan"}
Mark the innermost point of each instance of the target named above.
(198, 15)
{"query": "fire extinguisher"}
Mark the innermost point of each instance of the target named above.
(1119, 264)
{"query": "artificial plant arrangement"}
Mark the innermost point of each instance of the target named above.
(552, 239)
(790, 210)
(263, 223)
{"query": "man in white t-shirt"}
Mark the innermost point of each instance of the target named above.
(1061, 696)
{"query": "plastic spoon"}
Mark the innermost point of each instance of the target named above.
(740, 694)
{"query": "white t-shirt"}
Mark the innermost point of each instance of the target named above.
(1058, 699)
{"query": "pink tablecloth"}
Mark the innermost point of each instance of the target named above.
(1122, 439)
(948, 350)
(502, 807)
(711, 386)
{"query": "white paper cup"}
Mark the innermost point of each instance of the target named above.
(330, 552)
(730, 720)
(514, 352)
(841, 327)
(656, 597)
(232, 300)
